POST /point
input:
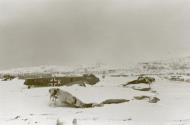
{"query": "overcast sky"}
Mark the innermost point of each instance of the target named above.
(65, 32)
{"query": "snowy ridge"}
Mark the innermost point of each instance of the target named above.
(53, 69)
(170, 66)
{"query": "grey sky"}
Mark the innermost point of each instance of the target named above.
(62, 32)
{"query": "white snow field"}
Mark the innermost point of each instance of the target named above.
(22, 106)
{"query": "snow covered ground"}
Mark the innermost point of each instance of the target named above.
(22, 106)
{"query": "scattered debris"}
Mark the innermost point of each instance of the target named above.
(179, 78)
(7, 77)
(141, 89)
(141, 97)
(154, 100)
(150, 99)
(176, 78)
(17, 117)
(141, 79)
(114, 101)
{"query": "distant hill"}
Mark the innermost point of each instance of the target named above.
(169, 66)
